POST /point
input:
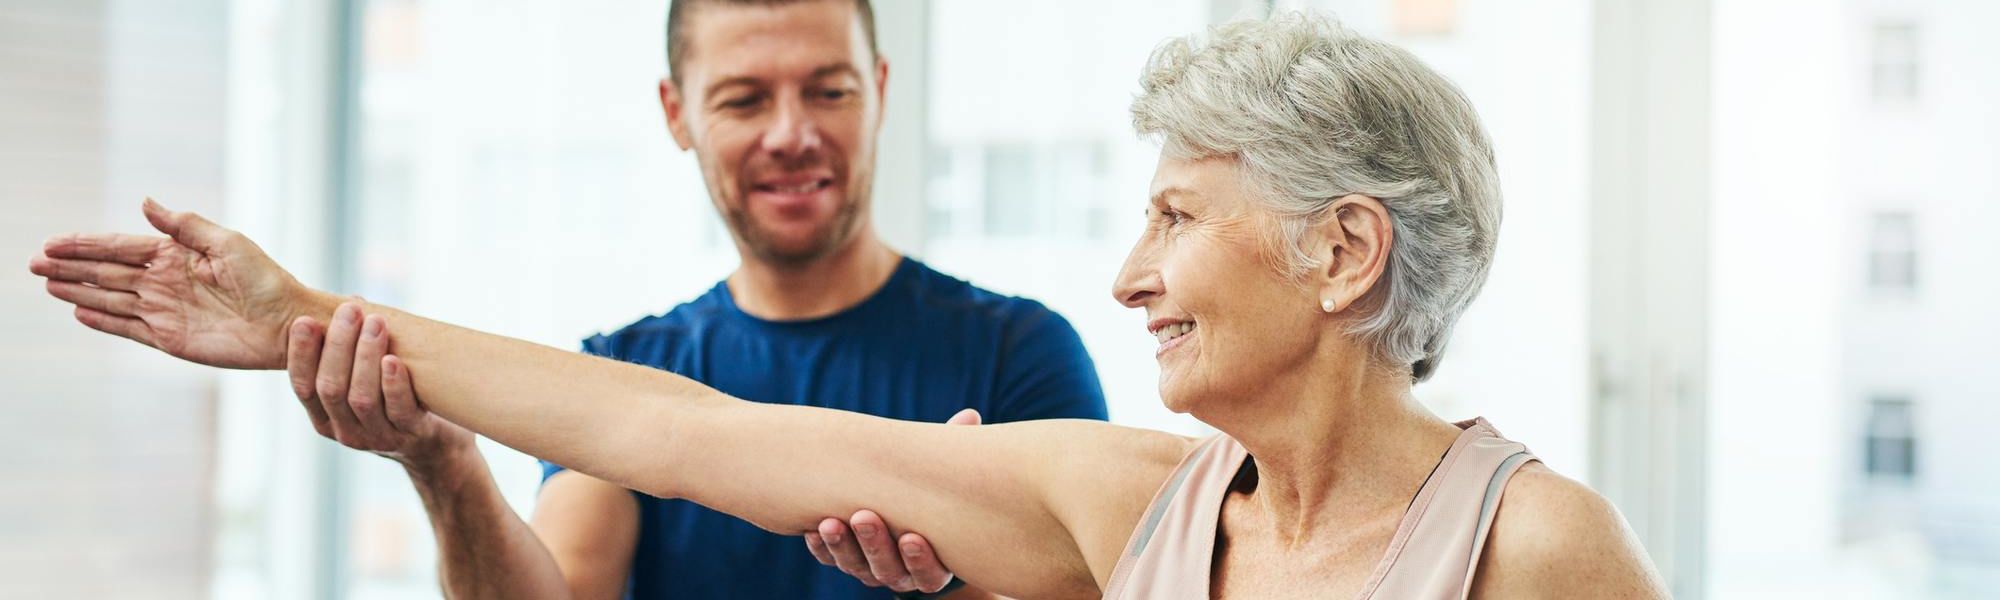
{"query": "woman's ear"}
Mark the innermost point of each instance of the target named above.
(1355, 237)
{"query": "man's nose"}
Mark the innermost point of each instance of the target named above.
(793, 133)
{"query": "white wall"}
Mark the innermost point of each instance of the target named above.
(1774, 366)
(107, 445)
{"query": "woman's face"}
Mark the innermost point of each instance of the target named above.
(1227, 319)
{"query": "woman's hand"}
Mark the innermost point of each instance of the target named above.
(204, 294)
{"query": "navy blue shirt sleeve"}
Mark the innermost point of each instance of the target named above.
(1045, 373)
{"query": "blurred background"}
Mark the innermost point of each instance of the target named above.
(1739, 286)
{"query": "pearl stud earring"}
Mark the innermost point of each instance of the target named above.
(1326, 305)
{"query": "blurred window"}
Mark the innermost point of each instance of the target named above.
(1892, 251)
(1891, 440)
(1895, 62)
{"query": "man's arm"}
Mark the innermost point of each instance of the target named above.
(581, 543)
(592, 528)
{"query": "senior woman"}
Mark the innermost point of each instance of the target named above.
(1324, 208)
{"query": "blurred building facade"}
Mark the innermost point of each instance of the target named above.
(1917, 307)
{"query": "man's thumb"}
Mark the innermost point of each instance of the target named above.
(964, 417)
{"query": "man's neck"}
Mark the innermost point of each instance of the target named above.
(833, 283)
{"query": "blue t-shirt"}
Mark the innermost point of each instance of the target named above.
(920, 349)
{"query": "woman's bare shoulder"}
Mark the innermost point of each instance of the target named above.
(1554, 536)
(1101, 478)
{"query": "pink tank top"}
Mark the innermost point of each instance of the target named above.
(1433, 554)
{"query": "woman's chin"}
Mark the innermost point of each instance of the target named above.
(1177, 401)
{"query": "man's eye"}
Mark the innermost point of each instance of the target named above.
(742, 101)
(834, 94)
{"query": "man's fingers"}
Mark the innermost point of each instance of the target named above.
(817, 547)
(846, 553)
(336, 365)
(964, 417)
(104, 274)
(120, 303)
(302, 363)
(125, 327)
(188, 228)
(926, 573)
(123, 248)
(884, 562)
(364, 389)
(399, 395)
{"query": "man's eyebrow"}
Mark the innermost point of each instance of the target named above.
(830, 69)
(839, 68)
(732, 81)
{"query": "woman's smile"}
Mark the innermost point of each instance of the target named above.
(1171, 333)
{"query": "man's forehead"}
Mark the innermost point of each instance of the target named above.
(776, 41)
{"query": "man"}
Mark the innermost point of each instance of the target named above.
(781, 102)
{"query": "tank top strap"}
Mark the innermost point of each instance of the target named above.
(1170, 552)
(1436, 549)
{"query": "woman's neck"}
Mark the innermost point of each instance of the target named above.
(1336, 444)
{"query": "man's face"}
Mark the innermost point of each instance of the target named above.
(781, 105)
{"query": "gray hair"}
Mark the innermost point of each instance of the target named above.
(1313, 112)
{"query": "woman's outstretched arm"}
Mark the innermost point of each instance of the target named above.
(1028, 509)
(1031, 509)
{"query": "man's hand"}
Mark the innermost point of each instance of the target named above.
(862, 547)
(359, 395)
(204, 294)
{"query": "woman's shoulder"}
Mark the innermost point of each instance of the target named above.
(1555, 536)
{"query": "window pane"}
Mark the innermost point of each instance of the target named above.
(1895, 62)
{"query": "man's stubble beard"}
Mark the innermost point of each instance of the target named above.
(829, 238)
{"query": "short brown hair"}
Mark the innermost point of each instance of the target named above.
(677, 43)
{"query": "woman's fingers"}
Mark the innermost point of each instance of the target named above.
(120, 303)
(135, 250)
(302, 363)
(187, 228)
(109, 275)
(126, 327)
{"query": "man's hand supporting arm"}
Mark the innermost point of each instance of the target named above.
(581, 545)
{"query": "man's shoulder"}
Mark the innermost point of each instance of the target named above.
(939, 291)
